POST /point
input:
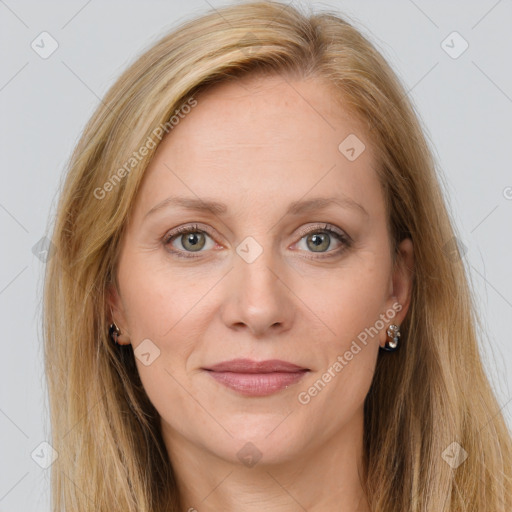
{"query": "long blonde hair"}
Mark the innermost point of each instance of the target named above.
(429, 394)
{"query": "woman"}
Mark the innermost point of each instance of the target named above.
(251, 304)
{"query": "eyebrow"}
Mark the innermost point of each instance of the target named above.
(218, 208)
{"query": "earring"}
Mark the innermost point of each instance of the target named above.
(114, 332)
(393, 332)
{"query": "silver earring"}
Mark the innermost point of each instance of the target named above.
(393, 332)
(117, 336)
(114, 332)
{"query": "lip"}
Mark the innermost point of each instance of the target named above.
(250, 366)
(256, 378)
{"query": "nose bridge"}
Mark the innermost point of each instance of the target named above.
(255, 268)
(259, 299)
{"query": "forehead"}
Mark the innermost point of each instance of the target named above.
(266, 112)
(258, 138)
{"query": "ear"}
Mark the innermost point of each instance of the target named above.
(401, 284)
(115, 312)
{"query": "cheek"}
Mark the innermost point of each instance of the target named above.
(350, 308)
(165, 305)
(158, 299)
(158, 306)
(349, 299)
(349, 303)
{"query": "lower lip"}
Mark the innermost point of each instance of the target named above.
(257, 384)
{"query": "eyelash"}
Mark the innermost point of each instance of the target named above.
(185, 230)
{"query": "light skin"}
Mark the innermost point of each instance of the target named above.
(258, 145)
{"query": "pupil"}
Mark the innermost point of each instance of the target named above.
(194, 241)
(318, 240)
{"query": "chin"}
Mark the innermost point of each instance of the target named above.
(267, 441)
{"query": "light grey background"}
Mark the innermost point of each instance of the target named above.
(465, 104)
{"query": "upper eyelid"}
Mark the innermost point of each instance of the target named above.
(181, 230)
(323, 226)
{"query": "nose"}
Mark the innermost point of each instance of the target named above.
(257, 296)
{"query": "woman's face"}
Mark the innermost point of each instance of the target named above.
(293, 262)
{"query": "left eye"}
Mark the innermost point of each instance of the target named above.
(321, 241)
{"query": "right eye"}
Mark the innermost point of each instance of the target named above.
(190, 238)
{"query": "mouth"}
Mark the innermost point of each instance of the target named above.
(256, 378)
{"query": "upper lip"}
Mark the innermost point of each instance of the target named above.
(250, 366)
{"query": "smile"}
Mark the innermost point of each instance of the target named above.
(253, 378)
